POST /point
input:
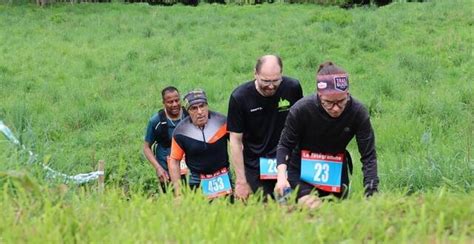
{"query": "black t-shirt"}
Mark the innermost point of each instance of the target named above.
(261, 119)
(309, 127)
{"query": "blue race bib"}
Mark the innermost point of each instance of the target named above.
(268, 170)
(322, 170)
(216, 184)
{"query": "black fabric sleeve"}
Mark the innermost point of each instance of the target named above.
(290, 136)
(366, 143)
(300, 91)
(234, 116)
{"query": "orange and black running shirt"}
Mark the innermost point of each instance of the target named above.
(205, 149)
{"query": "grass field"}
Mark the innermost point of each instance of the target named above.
(79, 83)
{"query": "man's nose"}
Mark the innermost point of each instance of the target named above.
(335, 108)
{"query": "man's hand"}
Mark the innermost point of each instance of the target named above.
(310, 201)
(162, 174)
(370, 192)
(370, 189)
(173, 166)
(281, 185)
(282, 181)
(242, 190)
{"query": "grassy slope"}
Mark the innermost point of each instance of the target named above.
(62, 215)
(78, 83)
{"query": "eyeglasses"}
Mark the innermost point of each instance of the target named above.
(330, 104)
(275, 82)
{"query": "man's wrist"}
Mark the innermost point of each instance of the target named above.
(157, 166)
(281, 177)
(281, 171)
(241, 182)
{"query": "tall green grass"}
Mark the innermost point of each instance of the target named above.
(61, 214)
(79, 83)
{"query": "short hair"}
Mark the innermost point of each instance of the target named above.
(329, 68)
(263, 59)
(168, 89)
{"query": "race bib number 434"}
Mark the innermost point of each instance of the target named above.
(322, 170)
(268, 170)
(216, 184)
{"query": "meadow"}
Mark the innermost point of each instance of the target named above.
(78, 83)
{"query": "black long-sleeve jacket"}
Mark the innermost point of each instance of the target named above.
(309, 127)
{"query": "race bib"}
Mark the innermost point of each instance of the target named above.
(322, 170)
(268, 170)
(216, 184)
(183, 168)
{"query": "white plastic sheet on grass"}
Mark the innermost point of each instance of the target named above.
(78, 179)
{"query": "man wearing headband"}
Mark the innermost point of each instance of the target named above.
(202, 136)
(319, 127)
(257, 113)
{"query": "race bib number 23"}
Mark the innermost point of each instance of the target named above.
(268, 170)
(322, 170)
